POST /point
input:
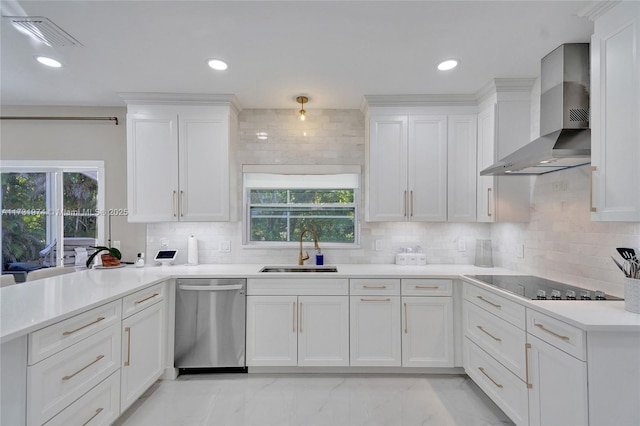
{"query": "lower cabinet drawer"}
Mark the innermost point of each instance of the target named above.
(56, 382)
(503, 387)
(563, 336)
(502, 340)
(99, 406)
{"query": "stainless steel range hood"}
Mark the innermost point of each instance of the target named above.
(564, 118)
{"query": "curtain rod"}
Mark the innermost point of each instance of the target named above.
(60, 118)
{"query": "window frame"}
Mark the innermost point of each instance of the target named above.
(60, 167)
(297, 170)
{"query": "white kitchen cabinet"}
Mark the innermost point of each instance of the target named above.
(462, 168)
(558, 393)
(503, 127)
(615, 108)
(178, 162)
(143, 347)
(427, 332)
(297, 330)
(272, 336)
(323, 331)
(407, 158)
(375, 331)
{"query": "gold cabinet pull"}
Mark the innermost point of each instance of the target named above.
(379, 287)
(181, 203)
(490, 378)
(300, 318)
(591, 170)
(375, 300)
(293, 317)
(146, 298)
(128, 361)
(405, 204)
(426, 287)
(98, 411)
(411, 198)
(406, 323)
(553, 333)
(175, 201)
(488, 201)
(98, 358)
(489, 302)
(66, 333)
(497, 339)
(527, 346)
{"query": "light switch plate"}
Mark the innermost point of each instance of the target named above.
(520, 251)
(224, 246)
(378, 245)
(462, 245)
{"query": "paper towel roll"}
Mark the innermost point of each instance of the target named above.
(192, 251)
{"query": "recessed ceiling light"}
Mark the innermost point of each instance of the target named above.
(447, 65)
(217, 64)
(263, 136)
(50, 62)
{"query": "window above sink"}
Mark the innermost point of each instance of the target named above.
(281, 201)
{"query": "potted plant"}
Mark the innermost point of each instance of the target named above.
(112, 258)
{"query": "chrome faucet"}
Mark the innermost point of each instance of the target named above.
(302, 258)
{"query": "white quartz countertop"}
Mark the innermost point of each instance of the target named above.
(29, 306)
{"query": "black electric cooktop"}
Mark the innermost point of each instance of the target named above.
(536, 288)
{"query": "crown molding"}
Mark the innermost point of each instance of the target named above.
(504, 85)
(595, 9)
(149, 98)
(416, 100)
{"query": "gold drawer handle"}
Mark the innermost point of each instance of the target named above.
(147, 298)
(406, 322)
(424, 287)
(380, 287)
(490, 378)
(66, 333)
(375, 300)
(489, 302)
(84, 368)
(553, 333)
(98, 411)
(128, 331)
(527, 346)
(497, 339)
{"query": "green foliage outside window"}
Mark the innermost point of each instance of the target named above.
(280, 215)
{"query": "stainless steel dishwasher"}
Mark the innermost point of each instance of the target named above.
(210, 324)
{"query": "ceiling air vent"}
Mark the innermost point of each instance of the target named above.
(42, 29)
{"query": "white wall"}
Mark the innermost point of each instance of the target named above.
(78, 140)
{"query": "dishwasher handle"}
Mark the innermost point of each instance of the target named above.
(211, 287)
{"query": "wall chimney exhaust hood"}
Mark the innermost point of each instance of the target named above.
(564, 118)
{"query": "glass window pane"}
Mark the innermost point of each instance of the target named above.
(80, 195)
(24, 219)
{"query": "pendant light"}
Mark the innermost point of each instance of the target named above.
(301, 100)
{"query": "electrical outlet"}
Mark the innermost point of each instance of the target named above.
(116, 244)
(462, 245)
(378, 245)
(520, 250)
(224, 246)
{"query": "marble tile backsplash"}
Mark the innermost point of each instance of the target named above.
(561, 242)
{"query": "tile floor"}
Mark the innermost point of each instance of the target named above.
(314, 399)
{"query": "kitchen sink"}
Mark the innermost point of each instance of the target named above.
(301, 268)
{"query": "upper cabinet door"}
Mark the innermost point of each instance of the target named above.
(486, 149)
(387, 175)
(152, 166)
(461, 180)
(204, 167)
(427, 172)
(615, 106)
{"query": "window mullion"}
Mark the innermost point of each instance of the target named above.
(59, 217)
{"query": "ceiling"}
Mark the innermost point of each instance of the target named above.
(335, 52)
